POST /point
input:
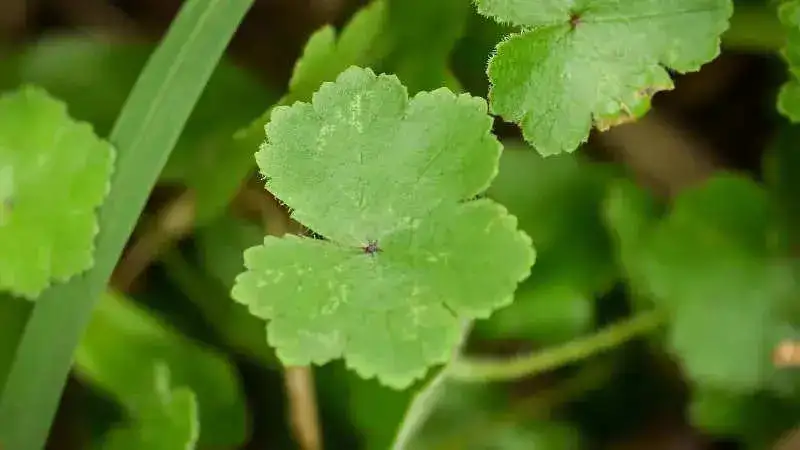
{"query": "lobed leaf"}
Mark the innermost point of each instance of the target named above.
(710, 264)
(388, 182)
(578, 64)
(54, 174)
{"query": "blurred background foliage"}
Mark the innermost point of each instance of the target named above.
(692, 210)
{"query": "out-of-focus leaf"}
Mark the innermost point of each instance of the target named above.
(220, 245)
(476, 417)
(124, 341)
(711, 264)
(631, 214)
(782, 172)
(756, 419)
(424, 33)
(558, 202)
(94, 76)
(362, 42)
(166, 420)
(374, 410)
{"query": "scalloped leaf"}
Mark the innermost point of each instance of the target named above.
(54, 174)
(388, 182)
(578, 64)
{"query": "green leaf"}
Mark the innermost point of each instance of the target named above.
(424, 33)
(595, 63)
(167, 419)
(370, 407)
(387, 181)
(93, 76)
(220, 245)
(782, 174)
(362, 42)
(631, 213)
(558, 202)
(54, 174)
(144, 134)
(325, 56)
(711, 265)
(118, 323)
(789, 96)
(756, 420)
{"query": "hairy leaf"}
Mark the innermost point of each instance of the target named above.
(578, 64)
(388, 182)
(54, 173)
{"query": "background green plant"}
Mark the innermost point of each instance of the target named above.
(665, 274)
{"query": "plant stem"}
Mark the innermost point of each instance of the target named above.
(303, 407)
(754, 28)
(490, 369)
(425, 401)
(145, 133)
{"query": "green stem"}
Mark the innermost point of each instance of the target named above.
(754, 28)
(145, 133)
(424, 402)
(490, 369)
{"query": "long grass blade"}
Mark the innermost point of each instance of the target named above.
(145, 133)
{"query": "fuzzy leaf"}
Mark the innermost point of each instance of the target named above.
(54, 173)
(578, 64)
(387, 181)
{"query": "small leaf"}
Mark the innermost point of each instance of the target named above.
(167, 421)
(387, 181)
(424, 34)
(710, 264)
(325, 56)
(594, 62)
(118, 323)
(54, 173)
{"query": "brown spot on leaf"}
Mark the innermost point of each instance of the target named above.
(574, 20)
(605, 123)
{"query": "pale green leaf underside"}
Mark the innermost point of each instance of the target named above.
(167, 421)
(579, 64)
(54, 173)
(363, 164)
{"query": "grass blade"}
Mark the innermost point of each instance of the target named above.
(145, 133)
